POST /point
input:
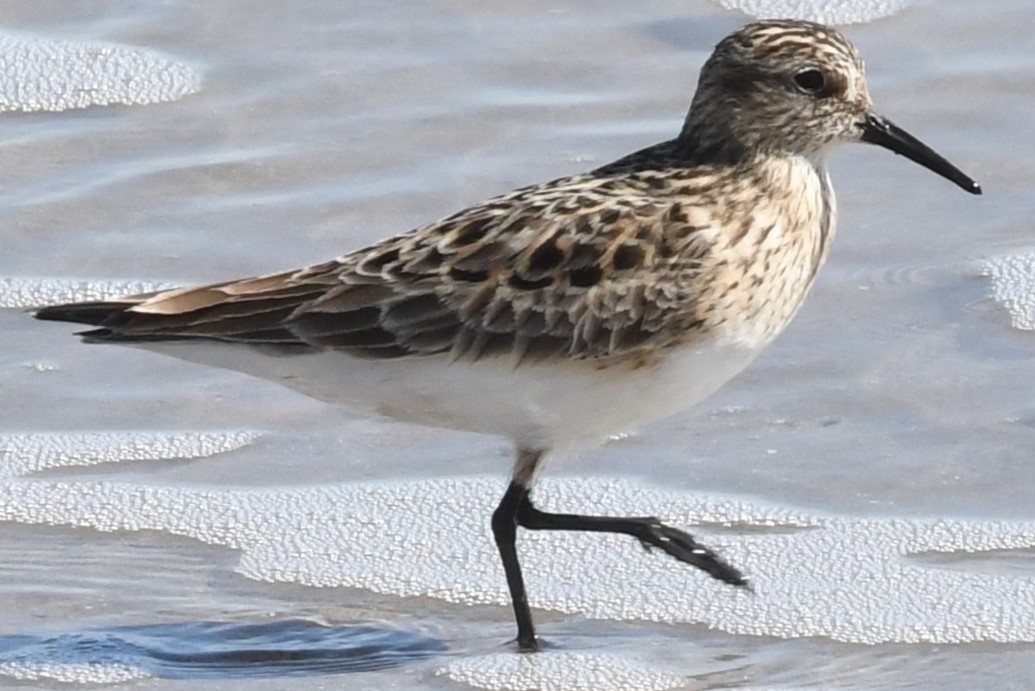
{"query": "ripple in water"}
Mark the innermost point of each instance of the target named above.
(213, 650)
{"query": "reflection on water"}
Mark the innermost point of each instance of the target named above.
(213, 650)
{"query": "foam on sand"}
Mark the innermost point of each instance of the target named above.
(859, 580)
(43, 74)
(822, 11)
(24, 293)
(1013, 287)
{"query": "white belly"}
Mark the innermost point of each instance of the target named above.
(537, 405)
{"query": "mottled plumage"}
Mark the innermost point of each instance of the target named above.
(621, 262)
(563, 312)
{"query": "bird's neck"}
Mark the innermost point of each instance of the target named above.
(697, 147)
(712, 132)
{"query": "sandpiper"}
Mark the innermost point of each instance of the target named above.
(564, 312)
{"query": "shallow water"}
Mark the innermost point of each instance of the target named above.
(166, 523)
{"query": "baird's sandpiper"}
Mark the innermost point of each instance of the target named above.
(564, 312)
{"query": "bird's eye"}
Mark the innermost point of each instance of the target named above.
(811, 80)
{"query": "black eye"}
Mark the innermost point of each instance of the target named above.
(810, 79)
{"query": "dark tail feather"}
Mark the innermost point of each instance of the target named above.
(107, 315)
(97, 313)
(117, 324)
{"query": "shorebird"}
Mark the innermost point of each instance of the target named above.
(562, 313)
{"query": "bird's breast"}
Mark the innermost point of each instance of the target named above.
(770, 253)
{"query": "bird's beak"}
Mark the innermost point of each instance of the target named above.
(882, 132)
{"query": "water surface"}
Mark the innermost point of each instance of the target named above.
(166, 523)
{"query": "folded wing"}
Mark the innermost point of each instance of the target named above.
(580, 267)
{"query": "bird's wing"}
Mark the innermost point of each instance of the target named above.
(580, 267)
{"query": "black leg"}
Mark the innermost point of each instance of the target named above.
(649, 531)
(504, 529)
(516, 509)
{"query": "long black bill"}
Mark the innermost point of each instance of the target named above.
(882, 132)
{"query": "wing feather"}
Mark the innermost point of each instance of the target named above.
(583, 267)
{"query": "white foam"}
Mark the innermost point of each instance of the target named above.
(72, 672)
(52, 75)
(22, 454)
(823, 11)
(843, 578)
(1013, 287)
(21, 293)
(559, 671)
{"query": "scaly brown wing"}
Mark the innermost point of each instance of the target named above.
(582, 267)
